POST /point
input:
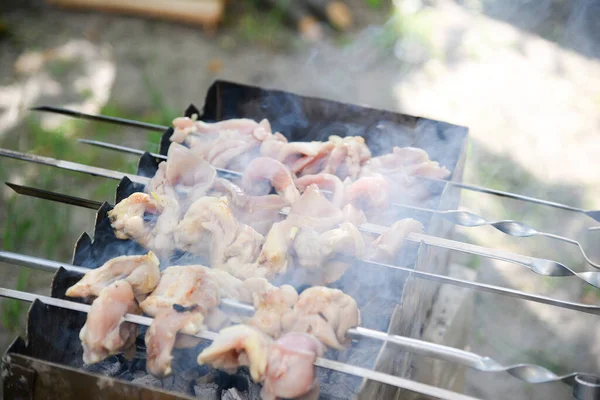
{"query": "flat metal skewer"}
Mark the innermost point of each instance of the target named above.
(526, 372)
(540, 266)
(204, 334)
(457, 217)
(594, 214)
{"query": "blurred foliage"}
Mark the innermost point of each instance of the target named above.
(29, 232)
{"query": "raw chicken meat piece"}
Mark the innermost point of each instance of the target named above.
(239, 257)
(315, 211)
(270, 304)
(387, 246)
(127, 220)
(284, 366)
(226, 144)
(310, 164)
(274, 256)
(347, 157)
(290, 370)
(105, 332)
(185, 175)
(368, 193)
(181, 301)
(127, 217)
(324, 182)
(207, 227)
(325, 313)
(409, 161)
(237, 346)
(354, 215)
(263, 173)
(259, 212)
(317, 251)
(141, 272)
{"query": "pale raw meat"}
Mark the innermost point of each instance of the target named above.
(274, 256)
(387, 246)
(226, 144)
(313, 210)
(313, 249)
(259, 212)
(347, 157)
(324, 182)
(263, 173)
(127, 217)
(368, 193)
(290, 370)
(184, 174)
(127, 220)
(239, 257)
(325, 313)
(237, 346)
(270, 304)
(105, 332)
(207, 227)
(141, 272)
(180, 303)
(409, 161)
(286, 366)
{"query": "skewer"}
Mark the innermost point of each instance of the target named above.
(538, 265)
(525, 372)
(208, 335)
(594, 214)
(457, 217)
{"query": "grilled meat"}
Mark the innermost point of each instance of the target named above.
(263, 173)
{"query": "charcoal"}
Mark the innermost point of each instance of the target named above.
(207, 391)
(234, 394)
(112, 366)
(149, 380)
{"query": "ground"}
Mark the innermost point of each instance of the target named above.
(524, 77)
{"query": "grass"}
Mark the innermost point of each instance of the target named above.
(42, 228)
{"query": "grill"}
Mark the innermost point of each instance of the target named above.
(396, 300)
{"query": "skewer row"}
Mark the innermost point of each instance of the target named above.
(526, 372)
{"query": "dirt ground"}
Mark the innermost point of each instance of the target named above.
(524, 78)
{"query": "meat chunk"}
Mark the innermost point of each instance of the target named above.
(263, 173)
(388, 245)
(325, 313)
(141, 272)
(347, 157)
(290, 370)
(128, 219)
(185, 175)
(274, 256)
(105, 332)
(259, 212)
(324, 182)
(225, 144)
(270, 304)
(284, 366)
(368, 193)
(181, 301)
(209, 227)
(313, 210)
(237, 346)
